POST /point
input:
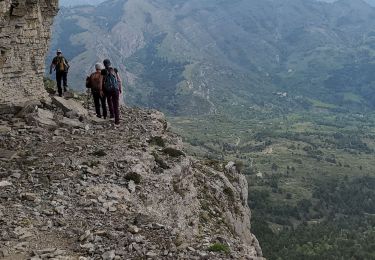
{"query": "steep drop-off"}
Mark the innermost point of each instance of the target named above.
(71, 189)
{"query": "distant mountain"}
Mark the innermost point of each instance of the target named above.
(370, 2)
(194, 57)
(79, 2)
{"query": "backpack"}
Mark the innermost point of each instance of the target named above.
(62, 65)
(93, 81)
(110, 82)
(88, 82)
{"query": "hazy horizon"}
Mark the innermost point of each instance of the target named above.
(71, 3)
(79, 2)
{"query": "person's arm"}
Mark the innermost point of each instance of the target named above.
(119, 81)
(101, 78)
(66, 64)
(88, 82)
(53, 65)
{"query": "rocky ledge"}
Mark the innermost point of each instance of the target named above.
(76, 187)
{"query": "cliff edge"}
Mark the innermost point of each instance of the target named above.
(73, 189)
(76, 187)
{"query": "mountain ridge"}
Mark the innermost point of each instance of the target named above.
(243, 52)
(79, 2)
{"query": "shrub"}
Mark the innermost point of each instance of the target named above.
(49, 85)
(229, 192)
(218, 247)
(157, 140)
(132, 176)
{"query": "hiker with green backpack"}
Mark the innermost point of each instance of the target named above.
(112, 89)
(61, 66)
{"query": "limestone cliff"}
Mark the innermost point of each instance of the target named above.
(76, 187)
(24, 36)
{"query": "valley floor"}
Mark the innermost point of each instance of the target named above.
(311, 178)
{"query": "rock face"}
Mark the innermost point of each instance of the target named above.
(105, 192)
(24, 39)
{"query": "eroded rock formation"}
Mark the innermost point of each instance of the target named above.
(24, 37)
(73, 189)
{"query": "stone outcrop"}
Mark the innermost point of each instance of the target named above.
(124, 192)
(24, 38)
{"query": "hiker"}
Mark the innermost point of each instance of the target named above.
(95, 83)
(112, 90)
(61, 66)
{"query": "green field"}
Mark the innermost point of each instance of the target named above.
(311, 177)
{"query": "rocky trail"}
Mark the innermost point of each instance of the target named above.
(76, 187)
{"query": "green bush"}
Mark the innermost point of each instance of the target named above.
(49, 85)
(218, 247)
(132, 176)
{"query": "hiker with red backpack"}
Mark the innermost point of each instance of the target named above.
(95, 83)
(61, 66)
(112, 88)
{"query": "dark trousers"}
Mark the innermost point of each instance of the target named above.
(61, 75)
(99, 101)
(113, 105)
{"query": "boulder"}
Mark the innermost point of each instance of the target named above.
(70, 123)
(69, 94)
(17, 108)
(5, 129)
(43, 118)
(7, 154)
(70, 107)
(28, 108)
(173, 152)
(5, 184)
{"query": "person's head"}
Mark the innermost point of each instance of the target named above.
(58, 52)
(98, 66)
(107, 63)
